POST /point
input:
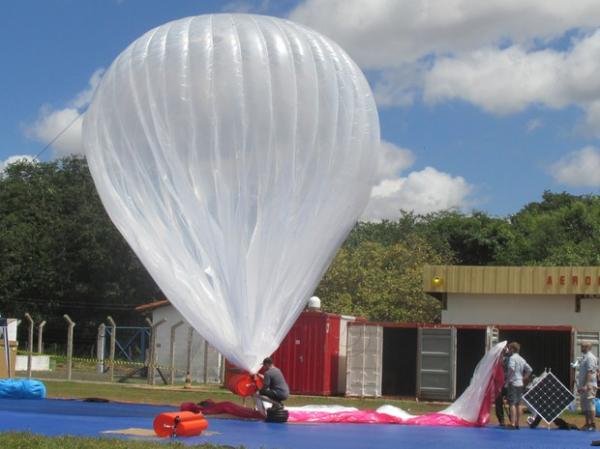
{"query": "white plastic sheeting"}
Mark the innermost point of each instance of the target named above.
(468, 405)
(472, 408)
(234, 153)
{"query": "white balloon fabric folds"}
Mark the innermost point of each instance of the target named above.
(234, 153)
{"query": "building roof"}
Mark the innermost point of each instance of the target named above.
(532, 280)
(151, 306)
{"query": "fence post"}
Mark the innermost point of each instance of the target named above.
(172, 352)
(69, 346)
(100, 346)
(152, 355)
(29, 345)
(205, 373)
(188, 367)
(40, 348)
(113, 343)
(222, 368)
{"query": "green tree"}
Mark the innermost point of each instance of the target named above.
(60, 253)
(381, 282)
(562, 229)
(475, 239)
(386, 232)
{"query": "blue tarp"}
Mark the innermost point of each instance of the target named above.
(22, 389)
(61, 417)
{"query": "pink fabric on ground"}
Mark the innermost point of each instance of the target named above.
(360, 416)
(373, 417)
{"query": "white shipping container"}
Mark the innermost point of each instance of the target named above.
(364, 354)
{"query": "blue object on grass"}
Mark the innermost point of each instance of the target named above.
(22, 389)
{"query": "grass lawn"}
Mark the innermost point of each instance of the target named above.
(177, 395)
(28, 441)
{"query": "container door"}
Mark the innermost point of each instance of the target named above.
(492, 337)
(316, 350)
(343, 341)
(364, 360)
(287, 357)
(297, 356)
(436, 363)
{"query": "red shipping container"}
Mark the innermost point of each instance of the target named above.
(309, 354)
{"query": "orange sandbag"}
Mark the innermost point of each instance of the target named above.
(191, 428)
(181, 424)
(244, 384)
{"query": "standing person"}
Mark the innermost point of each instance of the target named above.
(499, 404)
(275, 387)
(588, 384)
(518, 373)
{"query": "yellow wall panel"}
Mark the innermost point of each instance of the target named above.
(511, 280)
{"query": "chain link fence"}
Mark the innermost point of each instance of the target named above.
(160, 353)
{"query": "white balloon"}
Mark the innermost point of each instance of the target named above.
(234, 153)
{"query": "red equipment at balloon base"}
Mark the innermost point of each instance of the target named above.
(244, 384)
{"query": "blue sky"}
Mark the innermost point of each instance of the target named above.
(482, 104)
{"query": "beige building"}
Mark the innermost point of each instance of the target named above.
(549, 310)
(527, 296)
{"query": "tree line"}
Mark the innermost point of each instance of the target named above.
(60, 253)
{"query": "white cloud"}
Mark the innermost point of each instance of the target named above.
(393, 160)
(592, 118)
(51, 122)
(83, 98)
(388, 33)
(509, 80)
(399, 86)
(495, 54)
(579, 168)
(15, 158)
(424, 191)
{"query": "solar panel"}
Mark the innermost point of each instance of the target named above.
(548, 397)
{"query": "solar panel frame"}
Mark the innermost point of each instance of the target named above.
(548, 387)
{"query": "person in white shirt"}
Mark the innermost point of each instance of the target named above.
(587, 384)
(518, 374)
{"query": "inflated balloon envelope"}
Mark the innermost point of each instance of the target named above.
(234, 153)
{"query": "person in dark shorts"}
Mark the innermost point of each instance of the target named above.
(275, 387)
(518, 373)
(587, 384)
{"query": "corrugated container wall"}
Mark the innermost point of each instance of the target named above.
(309, 356)
(364, 364)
